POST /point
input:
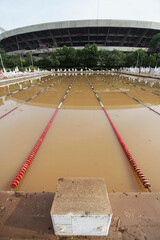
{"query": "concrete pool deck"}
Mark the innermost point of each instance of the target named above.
(136, 216)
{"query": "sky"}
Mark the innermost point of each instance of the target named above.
(19, 13)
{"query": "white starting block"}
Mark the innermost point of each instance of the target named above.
(81, 207)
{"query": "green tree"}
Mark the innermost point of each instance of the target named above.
(14, 60)
(112, 59)
(3, 56)
(64, 57)
(90, 55)
(44, 63)
(79, 58)
(155, 42)
(117, 58)
(151, 60)
(29, 59)
(135, 58)
(104, 56)
(131, 59)
(140, 55)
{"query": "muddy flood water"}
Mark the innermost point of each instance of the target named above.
(80, 141)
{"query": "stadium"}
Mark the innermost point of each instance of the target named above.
(123, 35)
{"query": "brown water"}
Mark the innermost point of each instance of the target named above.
(80, 142)
(9, 88)
(145, 97)
(12, 101)
(143, 82)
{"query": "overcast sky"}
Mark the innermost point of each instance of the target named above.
(19, 13)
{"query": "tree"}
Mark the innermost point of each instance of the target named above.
(90, 55)
(112, 59)
(155, 42)
(29, 59)
(3, 57)
(79, 58)
(135, 58)
(64, 57)
(131, 59)
(117, 58)
(140, 55)
(104, 56)
(45, 63)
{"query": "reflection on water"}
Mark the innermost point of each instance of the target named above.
(4, 91)
(10, 88)
(81, 96)
(147, 83)
(80, 142)
(1, 101)
(121, 99)
(18, 98)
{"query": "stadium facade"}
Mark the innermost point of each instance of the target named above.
(108, 34)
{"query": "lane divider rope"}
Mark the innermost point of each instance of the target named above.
(9, 94)
(24, 168)
(15, 80)
(135, 166)
(127, 94)
(138, 87)
(51, 85)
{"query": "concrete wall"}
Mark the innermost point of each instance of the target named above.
(82, 23)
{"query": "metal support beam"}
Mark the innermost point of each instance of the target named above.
(106, 37)
(11, 44)
(9, 48)
(53, 38)
(36, 38)
(125, 37)
(70, 39)
(26, 42)
(88, 36)
(140, 38)
(117, 34)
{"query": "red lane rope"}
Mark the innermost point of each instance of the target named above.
(135, 166)
(24, 168)
(8, 112)
(33, 153)
(130, 158)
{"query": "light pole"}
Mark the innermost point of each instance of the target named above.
(138, 60)
(2, 62)
(18, 50)
(31, 58)
(138, 57)
(1, 57)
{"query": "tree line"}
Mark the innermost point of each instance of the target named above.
(89, 56)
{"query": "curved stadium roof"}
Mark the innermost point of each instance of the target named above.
(122, 34)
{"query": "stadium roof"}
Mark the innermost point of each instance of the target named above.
(105, 33)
